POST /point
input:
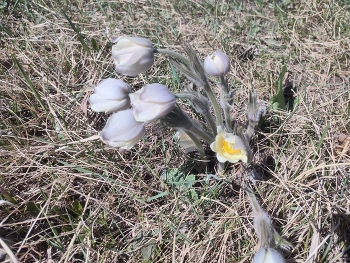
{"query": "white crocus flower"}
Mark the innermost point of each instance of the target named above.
(110, 95)
(151, 102)
(229, 147)
(132, 55)
(217, 64)
(122, 130)
(268, 255)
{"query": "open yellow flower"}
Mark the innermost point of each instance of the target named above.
(229, 147)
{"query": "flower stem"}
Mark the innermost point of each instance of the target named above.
(172, 54)
(197, 143)
(250, 129)
(221, 168)
(207, 115)
(215, 104)
(204, 111)
(224, 99)
(207, 88)
(202, 134)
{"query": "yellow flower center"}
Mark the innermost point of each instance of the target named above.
(226, 147)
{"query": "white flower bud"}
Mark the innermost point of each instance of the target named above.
(217, 64)
(185, 141)
(268, 255)
(152, 102)
(122, 130)
(110, 95)
(132, 55)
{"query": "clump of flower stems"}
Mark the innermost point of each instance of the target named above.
(132, 111)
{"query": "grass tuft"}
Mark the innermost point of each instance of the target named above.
(79, 200)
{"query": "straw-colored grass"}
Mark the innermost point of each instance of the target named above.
(79, 200)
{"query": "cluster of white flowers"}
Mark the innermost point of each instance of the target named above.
(132, 111)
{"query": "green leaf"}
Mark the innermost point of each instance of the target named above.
(320, 142)
(66, 228)
(193, 195)
(94, 44)
(8, 196)
(30, 84)
(77, 207)
(157, 196)
(147, 251)
(33, 209)
(175, 75)
(80, 36)
(177, 178)
(189, 181)
(277, 101)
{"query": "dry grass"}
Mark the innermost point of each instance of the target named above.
(79, 200)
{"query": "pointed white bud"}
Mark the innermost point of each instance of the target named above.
(132, 55)
(185, 141)
(122, 130)
(110, 95)
(152, 102)
(217, 64)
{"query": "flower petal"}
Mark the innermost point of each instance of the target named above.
(268, 255)
(122, 130)
(112, 89)
(152, 102)
(229, 147)
(132, 55)
(100, 104)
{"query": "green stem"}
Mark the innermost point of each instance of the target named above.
(224, 103)
(207, 115)
(197, 143)
(215, 104)
(221, 167)
(250, 129)
(172, 54)
(202, 134)
(207, 88)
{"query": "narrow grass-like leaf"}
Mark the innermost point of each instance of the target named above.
(80, 36)
(94, 44)
(8, 196)
(30, 84)
(6, 30)
(175, 75)
(327, 251)
(321, 141)
(33, 208)
(101, 7)
(77, 207)
(157, 196)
